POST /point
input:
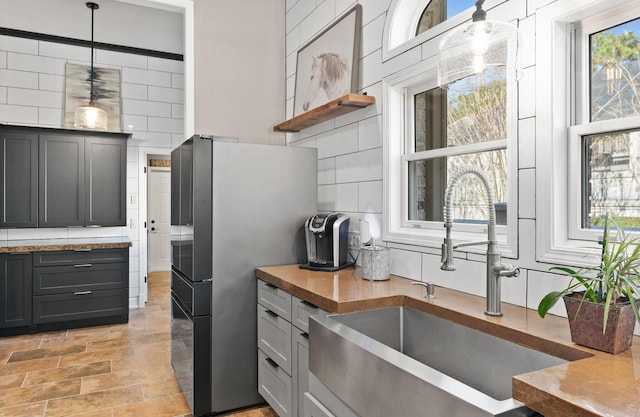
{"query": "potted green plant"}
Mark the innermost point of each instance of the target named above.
(602, 301)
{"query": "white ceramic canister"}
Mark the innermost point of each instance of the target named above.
(375, 263)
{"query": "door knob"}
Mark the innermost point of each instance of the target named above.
(153, 229)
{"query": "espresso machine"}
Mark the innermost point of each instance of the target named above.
(327, 237)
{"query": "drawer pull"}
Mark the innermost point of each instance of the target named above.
(272, 363)
(83, 266)
(273, 287)
(83, 250)
(82, 293)
(19, 253)
(308, 304)
(305, 335)
(272, 314)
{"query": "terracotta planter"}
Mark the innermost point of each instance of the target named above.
(585, 323)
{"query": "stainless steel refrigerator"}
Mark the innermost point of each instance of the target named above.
(234, 207)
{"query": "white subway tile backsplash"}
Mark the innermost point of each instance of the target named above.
(370, 69)
(177, 81)
(158, 124)
(541, 283)
(361, 166)
(374, 8)
(338, 141)
(469, 277)
(21, 45)
(3, 59)
(51, 82)
(370, 197)
(131, 123)
(177, 111)
(371, 38)
(527, 93)
(3, 95)
(326, 171)
(121, 59)
(41, 233)
(347, 197)
(138, 76)
(527, 195)
(166, 65)
(133, 91)
(154, 139)
(35, 63)
(18, 114)
(298, 12)
(317, 20)
(20, 79)
(327, 196)
(527, 28)
(25, 97)
(84, 232)
(405, 263)
(50, 117)
(527, 143)
(146, 108)
(67, 52)
(168, 95)
(370, 133)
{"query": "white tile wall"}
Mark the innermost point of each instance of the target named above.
(350, 146)
(32, 93)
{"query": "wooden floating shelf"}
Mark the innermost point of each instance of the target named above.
(343, 105)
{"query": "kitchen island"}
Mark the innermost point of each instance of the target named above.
(592, 383)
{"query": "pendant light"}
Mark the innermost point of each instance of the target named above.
(91, 117)
(474, 47)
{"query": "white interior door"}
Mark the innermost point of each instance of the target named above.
(159, 219)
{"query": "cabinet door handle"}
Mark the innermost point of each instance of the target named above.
(272, 363)
(272, 314)
(273, 287)
(308, 304)
(305, 335)
(82, 293)
(83, 266)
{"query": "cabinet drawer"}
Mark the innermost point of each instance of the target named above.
(274, 385)
(314, 408)
(274, 337)
(80, 256)
(301, 311)
(81, 277)
(274, 299)
(86, 305)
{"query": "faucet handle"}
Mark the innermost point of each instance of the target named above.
(430, 286)
(447, 256)
(506, 270)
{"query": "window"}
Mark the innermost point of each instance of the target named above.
(430, 134)
(607, 59)
(437, 11)
(586, 124)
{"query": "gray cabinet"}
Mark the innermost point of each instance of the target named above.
(61, 181)
(18, 178)
(283, 349)
(15, 290)
(71, 287)
(62, 178)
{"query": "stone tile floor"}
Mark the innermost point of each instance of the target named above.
(105, 371)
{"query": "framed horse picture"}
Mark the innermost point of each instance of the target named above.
(327, 66)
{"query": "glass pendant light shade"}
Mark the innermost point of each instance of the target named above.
(90, 117)
(475, 47)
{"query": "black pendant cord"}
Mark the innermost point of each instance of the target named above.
(93, 7)
(479, 15)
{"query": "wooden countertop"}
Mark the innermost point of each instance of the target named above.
(592, 384)
(39, 245)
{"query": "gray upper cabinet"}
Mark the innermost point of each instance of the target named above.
(61, 188)
(105, 181)
(62, 178)
(18, 178)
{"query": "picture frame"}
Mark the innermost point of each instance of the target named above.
(327, 65)
(106, 92)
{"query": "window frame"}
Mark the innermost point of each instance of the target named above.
(562, 115)
(398, 90)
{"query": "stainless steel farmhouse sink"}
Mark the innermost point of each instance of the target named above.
(399, 361)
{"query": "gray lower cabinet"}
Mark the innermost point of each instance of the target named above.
(72, 286)
(18, 179)
(283, 349)
(15, 290)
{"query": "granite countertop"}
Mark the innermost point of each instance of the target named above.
(593, 383)
(39, 245)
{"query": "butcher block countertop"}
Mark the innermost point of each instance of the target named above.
(592, 384)
(39, 245)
